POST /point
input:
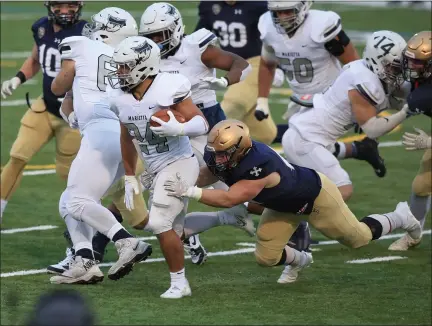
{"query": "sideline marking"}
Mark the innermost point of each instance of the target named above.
(374, 260)
(29, 229)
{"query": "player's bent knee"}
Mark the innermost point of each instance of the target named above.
(75, 206)
(422, 186)
(62, 204)
(265, 259)
(159, 225)
(346, 191)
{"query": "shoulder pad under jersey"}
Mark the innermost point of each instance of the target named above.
(371, 91)
(72, 47)
(263, 25)
(202, 38)
(325, 27)
(177, 89)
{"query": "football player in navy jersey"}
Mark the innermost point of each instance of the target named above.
(236, 25)
(42, 121)
(417, 69)
(288, 193)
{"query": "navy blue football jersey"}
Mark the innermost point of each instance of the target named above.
(420, 98)
(296, 191)
(47, 42)
(235, 25)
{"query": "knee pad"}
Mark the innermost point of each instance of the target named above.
(265, 258)
(421, 185)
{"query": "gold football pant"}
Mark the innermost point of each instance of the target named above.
(422, 184)
(239, 103)
(37, 128)
(138, 217)
(330, 216)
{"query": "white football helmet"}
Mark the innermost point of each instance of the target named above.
(296, 12)
(136, 58)
(163, 23)
(383, 55)
(111, 26)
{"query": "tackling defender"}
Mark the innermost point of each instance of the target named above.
(289, 193)
(140, 91)
(98, 165)
(42, 121)
(417, 69)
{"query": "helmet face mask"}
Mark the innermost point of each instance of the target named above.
(227, 143)
(136, 59)
(64, 13)
(417, 57)
(162, 23)
(383, 54)
(287, 16)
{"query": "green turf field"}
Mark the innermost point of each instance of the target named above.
(230, 288)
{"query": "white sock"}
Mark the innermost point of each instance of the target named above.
(293, 256)
(178, 278)
(3, 206)
(81, 233)
(388, 221)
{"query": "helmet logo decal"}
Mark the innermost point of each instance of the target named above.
(114, 24)
(143, 50)
(171, 10)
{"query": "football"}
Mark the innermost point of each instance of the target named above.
(163, 115)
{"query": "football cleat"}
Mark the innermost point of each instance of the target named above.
(409, 223)
(290, 273)
(404, 243)
(130, 251)
(175, 292)
(63, 265)
(244, 219)
(367, 150)
(80, 271)
(195, 249)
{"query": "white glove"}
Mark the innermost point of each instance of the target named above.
(279, 78)
(262, 109)
(418, 141)
(170, 128)
(177, 187)
(9, 86)
(131, 188)
(146, 179)
(73, 121)
(216, 84)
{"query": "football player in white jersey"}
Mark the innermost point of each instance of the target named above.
(98, 163)
(140, 90)
(197, 57)
(357, 95)
(310, 46)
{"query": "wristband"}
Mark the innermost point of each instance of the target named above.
(21, 76)
(195, 193)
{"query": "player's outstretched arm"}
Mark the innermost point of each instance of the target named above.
(366, 116)
(29, 68)
(237, 67)
(238, 193)
(64, 80)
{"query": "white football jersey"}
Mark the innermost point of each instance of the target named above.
(308, 66)
(187, 61)
(92, 65)
(166, 90)
(331, 115)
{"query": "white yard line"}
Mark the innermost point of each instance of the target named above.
(29, 229)
(210, 254)
(374, 260)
